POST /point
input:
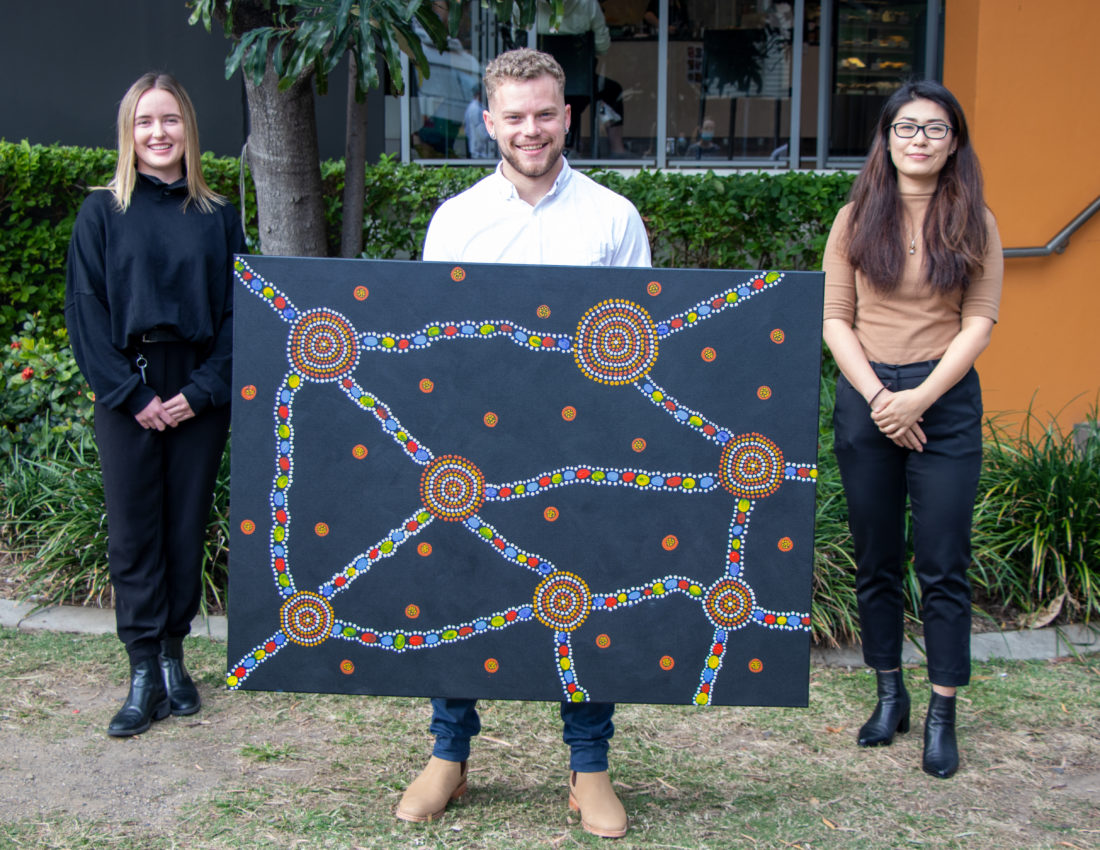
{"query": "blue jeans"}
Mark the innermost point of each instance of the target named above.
(586, 729)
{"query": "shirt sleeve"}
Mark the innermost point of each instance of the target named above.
(983, 296)
(840, 277)
(211, 380)
(436, 242)
(633, 248)
(107, 370)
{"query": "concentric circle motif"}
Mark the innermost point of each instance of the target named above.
(708, 354)
(359, 451)
(321, 529)
(569, 413)
(778, 336)
(491, 665)
(603, 641)
(616, 342)
(361, 293)
(764, 392)
(458, 274)
(751, 466)
(653, 287)
(562, 601)
(323, 346)
(785, 544)
(307, 618)
(248, 392)
(638, 444)
(667, 662)
(347, 667)
(452, 488)
(670, 542)
(426, 385)
(729, 603)
(543, 311)
(551, 514)
(424, 549)
(412, 611)
(490, 419)
(247, 526)
(756, 665)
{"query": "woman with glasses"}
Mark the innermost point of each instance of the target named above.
(913, 272)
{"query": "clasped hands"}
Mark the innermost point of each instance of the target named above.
(165, 414)
(898, 416)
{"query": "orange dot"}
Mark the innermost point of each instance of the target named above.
(543, 311)
(569, 413)
(347, 667)
(426, 385)
(778, 336)
(603, 641)
(764, 392)
(491, 665)
(654, 288)
(424, 550)
(670, 542)
(458, 274)
(785, 544)
(490, 419)
(708, 354)
(551, 514)
(756, 665)
(667, 662)
(638, 444)
(247, 526)
(320, 529)
(412, 611)
(361, 293)
(248, 392)
(359, 451)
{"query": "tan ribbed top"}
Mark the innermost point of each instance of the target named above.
(912, 323)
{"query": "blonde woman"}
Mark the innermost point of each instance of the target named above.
(149, 309)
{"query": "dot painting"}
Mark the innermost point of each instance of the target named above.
(569, 554)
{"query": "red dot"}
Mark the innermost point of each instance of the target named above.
(280, 302)
(465, 630)
(544, 481)
(284, 463)
(610, 601)
(373, 553)
(240, 672)
(510, 616)
(368, 637)
(674, 481)
(758, 284)
(534, 562)
(402, 344)
(676, 323)
(563, 650)
(340, 581)
(571, 688)
(284, 411)
(717, 649)
(628, 477)
(735, 557)
(682, 584)
(769, 618)
(583, 473)
(280, 564)
(705, 688)
(280, 516)
(269, 646)
(415, 640)
(450, 330)
(412, 525)
(504, 492)
(347, 383)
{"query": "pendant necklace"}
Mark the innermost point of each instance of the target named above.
(913, 245)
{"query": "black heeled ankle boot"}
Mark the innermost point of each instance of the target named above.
(941, 749)
(146, 702)
(890, 715)
(182, 693)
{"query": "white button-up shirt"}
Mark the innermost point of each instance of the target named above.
(578, 223)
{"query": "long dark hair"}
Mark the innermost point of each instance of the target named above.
(954, 232)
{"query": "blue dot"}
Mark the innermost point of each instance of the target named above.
(468, 329)
(431, 639)
(525, 612)
(290, 313)
(326, 590)
(722, 436)
(280, 639)
(703, 311)
(561, 637)
(657, 481)
(491, 492)
(720, 636)
(481, 625)
(421, 455)
(473, 522)
(569, 475)
(397, 536)
(520, 335)
(287, 591)
(370, 341)
(612, 476)
(662, 329)
(682, 415)
(257, 284)
(391, 425)
(284, 396)
(277, 499)
(734, 570)
(362, 564)
(647, 387)
(510, 551)
(706, 481)
(420, 339)
(737, 530)
(284, 447)
(248, 663)
(386, 640)
(744, 291)
(567, 675)
(565, 343)
(634, 594)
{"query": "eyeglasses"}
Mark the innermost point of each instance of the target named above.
(935, 132)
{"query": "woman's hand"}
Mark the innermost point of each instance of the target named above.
(156, 415)
(179, 408)
(898, 416)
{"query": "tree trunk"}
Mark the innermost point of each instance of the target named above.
(355, 167)
(285, 163)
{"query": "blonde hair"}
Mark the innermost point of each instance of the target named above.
(523, 63)
(122, 184)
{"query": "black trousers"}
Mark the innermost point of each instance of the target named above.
(158, 486)
(941, 483)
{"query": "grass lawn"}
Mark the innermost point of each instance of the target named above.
(320, 771)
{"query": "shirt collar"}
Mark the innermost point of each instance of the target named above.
(508, 190)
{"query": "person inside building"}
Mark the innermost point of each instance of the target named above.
(533, 208)
(149, 310)
(913, 270)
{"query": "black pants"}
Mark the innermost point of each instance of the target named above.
(941, 483)
(158, 486)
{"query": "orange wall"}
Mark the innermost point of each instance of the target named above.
(1026, 73)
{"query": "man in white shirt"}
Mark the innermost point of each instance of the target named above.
(533, 209)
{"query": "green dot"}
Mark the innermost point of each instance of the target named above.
(771, 277)
(577, 696)
(281, 482)
(695, 420)
(486, 329)
(689, 483)
(348, 631)
(450, 634)
(278, 534)
(387, 547)
(556, 478)
(520, 490)
(388, 342)
(497, 621)
(398, 641)
(598, 475)
(731, 297)
(642, 480)
(485, 532)
(284, 581)
(434, 331)
(422, 516)
(695, 590)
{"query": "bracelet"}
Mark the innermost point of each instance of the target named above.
(871, 400)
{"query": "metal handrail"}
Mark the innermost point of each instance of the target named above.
(1058, 244)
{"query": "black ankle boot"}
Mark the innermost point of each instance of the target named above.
(182, 693)
(890, 715)
(146, 702)
(941, 750)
